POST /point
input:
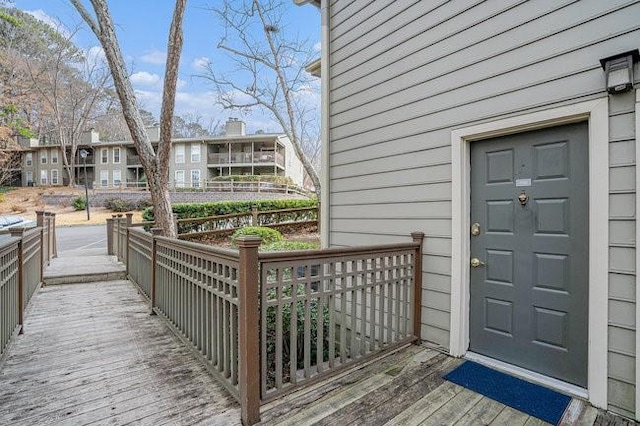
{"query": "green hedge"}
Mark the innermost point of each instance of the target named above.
(195, 210)
(268, 235)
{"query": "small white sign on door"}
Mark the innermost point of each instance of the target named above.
(523, 182)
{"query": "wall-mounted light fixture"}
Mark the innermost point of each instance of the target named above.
(618, 70)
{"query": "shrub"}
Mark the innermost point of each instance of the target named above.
(288, 245)
(144, 203)
(18, 209)
(2, 198)
(195, 210)
(79, 203)
(119, 205)
(268, 235)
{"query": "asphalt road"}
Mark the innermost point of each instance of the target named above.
(82, 240)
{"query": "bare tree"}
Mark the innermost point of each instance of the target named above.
(9, 165)
(72, 87)
(269, 73)
(155, 163)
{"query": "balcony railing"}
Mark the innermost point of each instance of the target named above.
(133, 160)
(247, 158)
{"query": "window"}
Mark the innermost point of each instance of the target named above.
(43, 177)
(195, 178)
(179, 154)
(116, 156)
(29, 159)
(54, 159)
(29, 178)
(117, 177)
(179, 178)
(104, 155)
(43, 157)
(104, 177)
(195, 153)
(54, 176)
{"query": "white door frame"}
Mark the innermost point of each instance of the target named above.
(597, 114)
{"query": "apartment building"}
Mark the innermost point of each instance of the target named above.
(194, 161)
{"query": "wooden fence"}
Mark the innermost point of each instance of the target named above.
(23, 256)
(267, 324)
(195, 227)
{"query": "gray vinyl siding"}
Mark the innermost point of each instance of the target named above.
(403, 74)
(622, 254)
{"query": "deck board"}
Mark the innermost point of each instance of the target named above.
(91, 353)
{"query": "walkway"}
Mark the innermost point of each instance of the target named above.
(92, 354)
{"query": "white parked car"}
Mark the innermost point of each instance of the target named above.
(7, 221)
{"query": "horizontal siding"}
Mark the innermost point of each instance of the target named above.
(404, 74)
(418, 210)
(622, 259)
(621, 397)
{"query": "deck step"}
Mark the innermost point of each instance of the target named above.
(85, 278)
(72, 270)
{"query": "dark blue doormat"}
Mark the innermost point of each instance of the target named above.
(534, 400)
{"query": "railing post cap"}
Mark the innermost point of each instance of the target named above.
(417, 235)
(248, 241)
(16, 231)
(119, 215)
(129, 214)
(114, 216)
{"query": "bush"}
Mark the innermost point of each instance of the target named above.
(79, 203)
(288, 245)
(144, 203)
(195, 210)
(268, 235)
(2, 198)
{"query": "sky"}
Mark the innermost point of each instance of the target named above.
(142, 27)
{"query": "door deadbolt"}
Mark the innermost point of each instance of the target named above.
(475, 229)
(475, 262)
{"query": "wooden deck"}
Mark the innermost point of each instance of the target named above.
(405, 388)
(92, 354)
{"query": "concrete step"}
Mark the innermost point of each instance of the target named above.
(83, 269)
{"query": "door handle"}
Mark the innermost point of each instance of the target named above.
(475, 262)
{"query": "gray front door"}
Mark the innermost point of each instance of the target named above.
(529, 298)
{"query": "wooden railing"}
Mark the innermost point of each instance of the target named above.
(189, 228)
(140, 259)
(22, 258)
(323, 310)
(266, 324)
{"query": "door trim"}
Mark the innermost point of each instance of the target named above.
(596, 112)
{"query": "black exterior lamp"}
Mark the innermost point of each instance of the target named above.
(618, 70)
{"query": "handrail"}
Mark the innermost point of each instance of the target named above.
(268, 323)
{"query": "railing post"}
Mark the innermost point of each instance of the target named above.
(39, 218)
(154, 257)
(54, 236)
(254, 215)
(41, 254)
(249, 330)
(47, 220)
(19, 233)
(110, 237)
(129, 222)
(418, 238)
(116, 236)
(120, 240)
